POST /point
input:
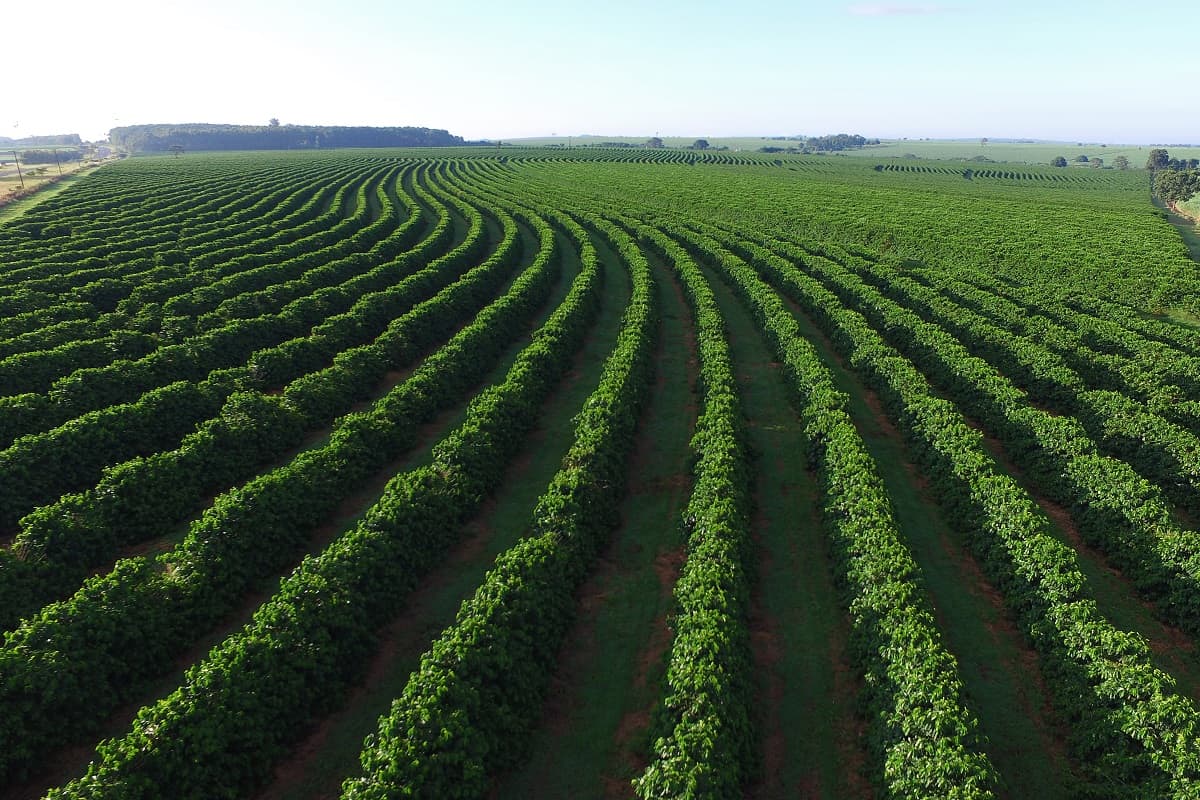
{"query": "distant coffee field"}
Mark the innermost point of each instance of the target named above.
(591, 473)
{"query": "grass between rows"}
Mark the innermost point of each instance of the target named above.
(71, 762)
(998, 668)
(805, 709)
(593, 735)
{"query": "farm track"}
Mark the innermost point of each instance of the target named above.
(877, 599)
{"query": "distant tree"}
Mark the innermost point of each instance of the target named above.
(1158, 159)
(700, 144)
(1081, 159)
(273, 122)
(654, 142)
(968, 174)
(1061, 161)
(1097, 162)
(983, 141)
(1121, 162)
(50, 156)
(176, 149)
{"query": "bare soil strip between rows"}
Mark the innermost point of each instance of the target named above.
(1172, 650)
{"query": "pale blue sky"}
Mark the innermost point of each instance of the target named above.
(1101, 71)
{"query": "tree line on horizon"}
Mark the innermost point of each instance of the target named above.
(190, 137)
(56, 140)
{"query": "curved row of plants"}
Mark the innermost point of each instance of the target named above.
(131, 197)
(455, 725)
(115, 200)
(1117, 509)
(90, 652)
(217, 735)
(1110, 351)
(1109, 355)
(156, 256)
(1161, 451)
(1131, 735)
(707, 743)
(40, 467)
(163, 268)
(136, 500)
(1103, 323)
(152, 241)
(925, 740)
(178, 355)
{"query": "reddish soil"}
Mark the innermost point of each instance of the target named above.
(635, 722)
(766, 648)
(667, 566)
(1182, 212)
(852, 729)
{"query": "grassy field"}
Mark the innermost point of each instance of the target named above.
(1192, 207)
(36, 185)
(318, 462)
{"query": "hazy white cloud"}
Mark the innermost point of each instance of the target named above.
(892, 9)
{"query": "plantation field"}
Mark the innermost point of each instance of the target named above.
(1036, 153)
(596, 473)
